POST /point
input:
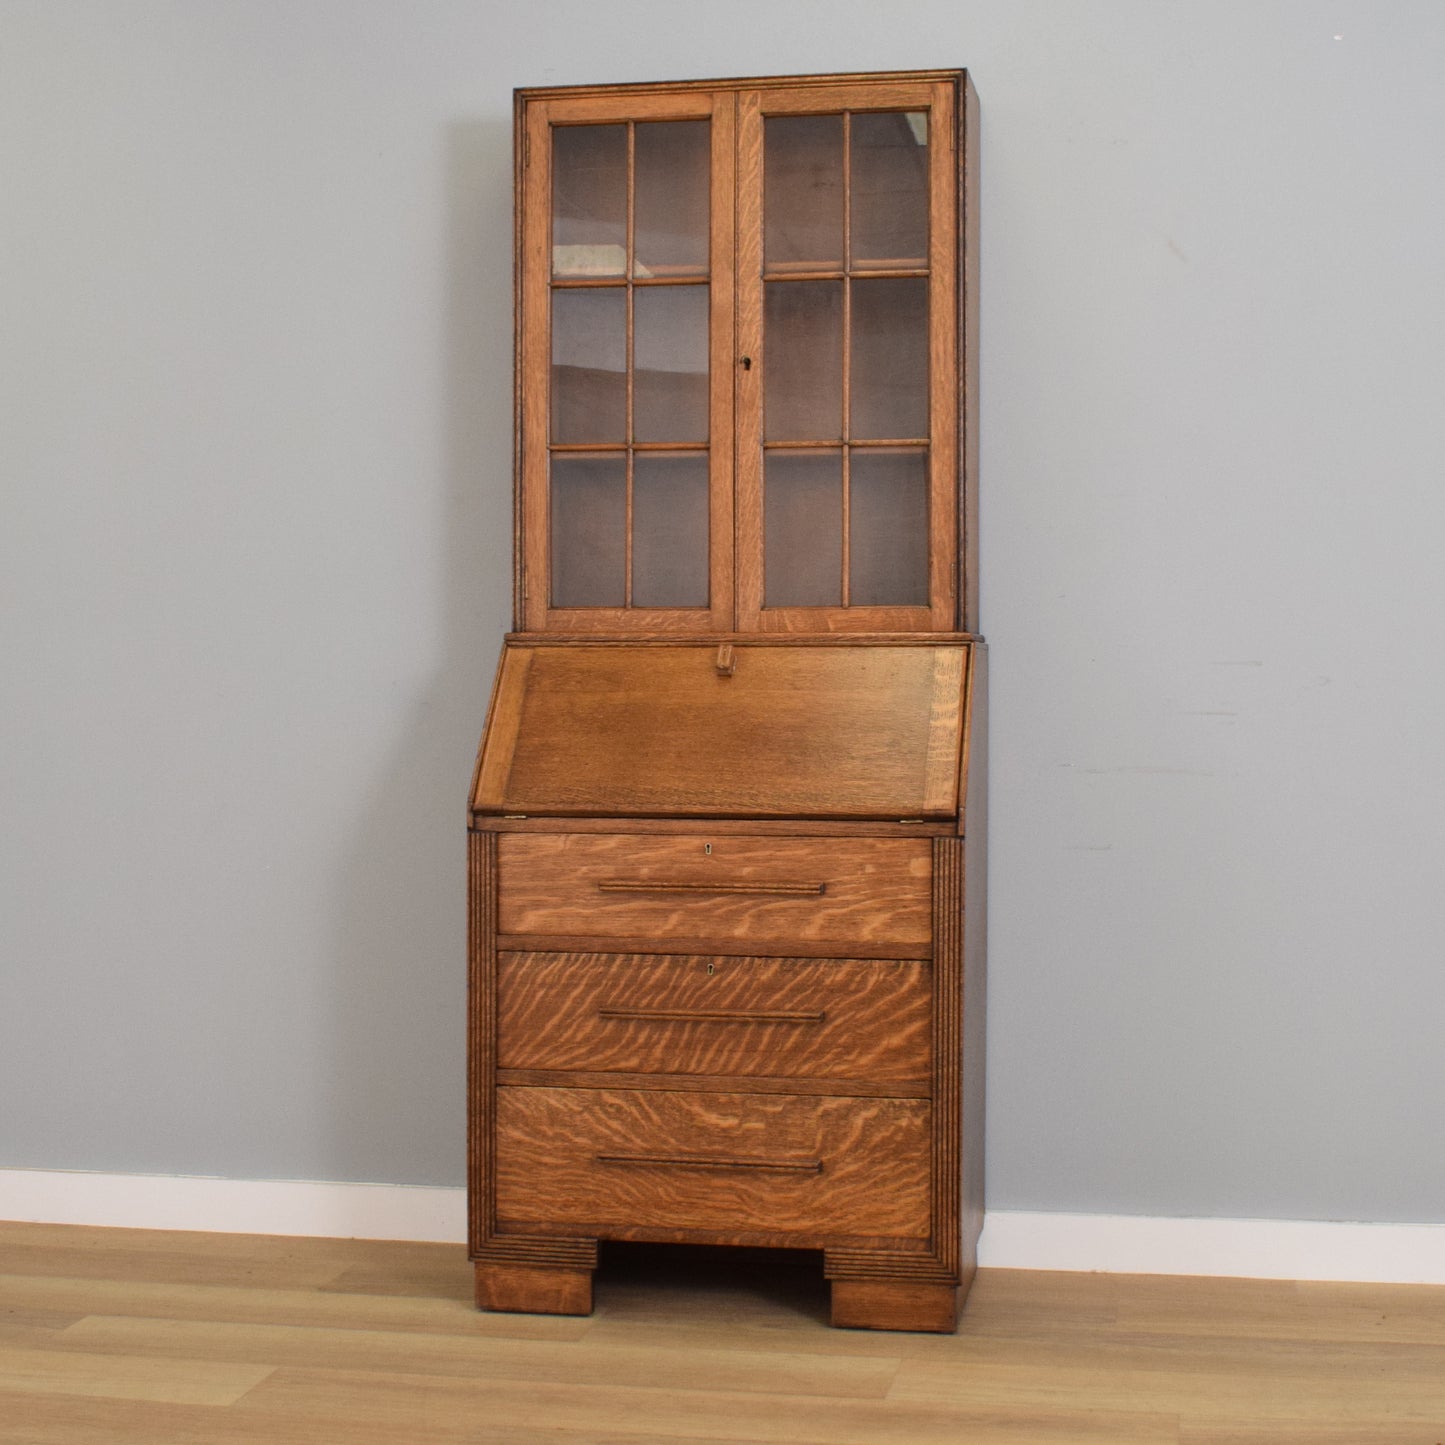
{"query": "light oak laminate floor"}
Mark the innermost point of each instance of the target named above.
(132, 1337)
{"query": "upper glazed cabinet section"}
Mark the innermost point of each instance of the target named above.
(739, 357)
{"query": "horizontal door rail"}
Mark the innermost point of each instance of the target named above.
(701, 1161)
(711, 1016)
(794, 890)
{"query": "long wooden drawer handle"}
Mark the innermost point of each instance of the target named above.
(795, 890)
(698, 1161)
(711, 1016)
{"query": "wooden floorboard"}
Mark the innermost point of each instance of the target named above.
(129, 1337)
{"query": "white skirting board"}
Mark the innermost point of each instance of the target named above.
(235, 1206)
(1012, 1239)
(1242, 1248)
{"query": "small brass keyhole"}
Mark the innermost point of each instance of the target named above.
(709, 970)
(707, 848)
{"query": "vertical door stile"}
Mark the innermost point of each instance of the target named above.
(944, 407)
(535, 365)
(749, 373)
(723, 364)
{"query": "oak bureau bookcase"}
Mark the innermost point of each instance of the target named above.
(727, 820)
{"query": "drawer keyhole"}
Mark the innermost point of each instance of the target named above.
(709, 970)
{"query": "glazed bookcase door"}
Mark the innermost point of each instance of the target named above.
(625, 364)
(847, 406)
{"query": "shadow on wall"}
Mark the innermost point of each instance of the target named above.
(395, 1089)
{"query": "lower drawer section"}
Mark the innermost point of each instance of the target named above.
(634, 1162)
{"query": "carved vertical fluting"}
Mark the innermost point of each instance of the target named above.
(481, 1033)
(947, 1048)
(487, 1249)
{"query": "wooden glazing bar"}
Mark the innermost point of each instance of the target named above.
(617, 448)
(875, 443)
(806, 271)
(671, 278)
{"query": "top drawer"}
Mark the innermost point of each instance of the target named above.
(867, 897)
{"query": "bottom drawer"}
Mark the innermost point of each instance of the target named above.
(634, 1162)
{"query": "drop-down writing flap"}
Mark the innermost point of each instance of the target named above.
(789, 730)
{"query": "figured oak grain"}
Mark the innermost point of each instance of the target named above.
(872, 731)
(827, 1018)
(552, 1144)
(876, 890)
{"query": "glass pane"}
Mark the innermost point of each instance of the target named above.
(889, 154)
(803, 192)
(888, 528)
(669, 530)
(589, 531)
(589, 200)
(670, 197)
(889, 377)
(589, 365)
(669, 358)
(803, 529)
(803, 360)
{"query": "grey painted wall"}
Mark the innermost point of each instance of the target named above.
(254, 450)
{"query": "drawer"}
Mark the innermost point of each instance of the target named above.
(634, 1163)
(802, 1018)
(867, 897)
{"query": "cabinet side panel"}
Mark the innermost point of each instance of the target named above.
(943, 359)
(947, 1048)
(968, 151)
(975, 954)
(499, 741)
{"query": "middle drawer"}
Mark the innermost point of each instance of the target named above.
(847, 1019)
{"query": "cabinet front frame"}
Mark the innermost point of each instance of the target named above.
(735, 280)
